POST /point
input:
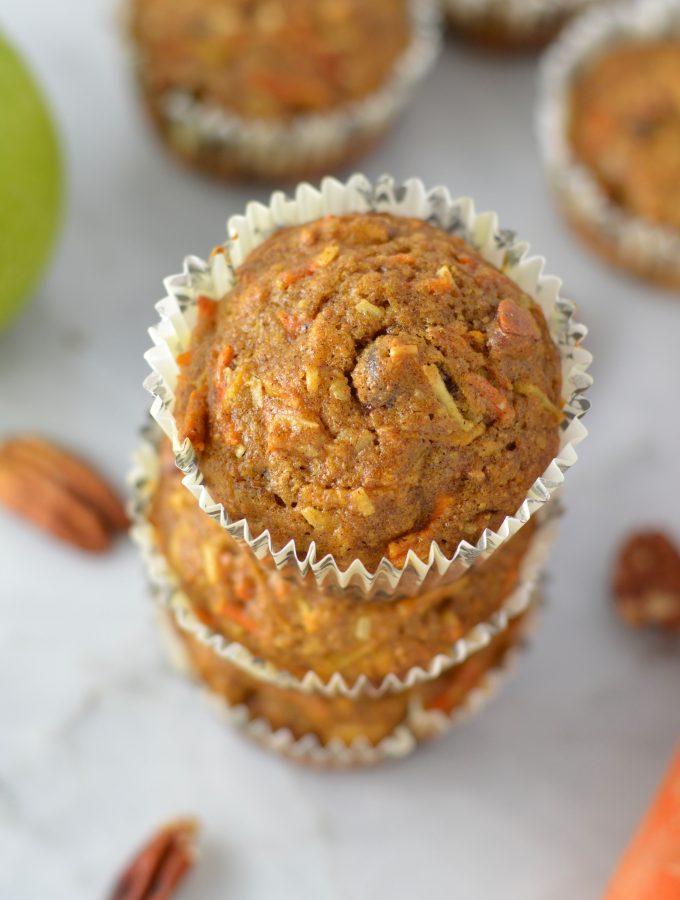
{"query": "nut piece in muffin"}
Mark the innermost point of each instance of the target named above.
(264, 64)
(372, 385)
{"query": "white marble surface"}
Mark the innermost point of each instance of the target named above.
(99, 742)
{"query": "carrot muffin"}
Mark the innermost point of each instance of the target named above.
(297, 627)
(625, 127)
(371, 385)
(608, 121)
(339, 718)
(511, 24)
(230, 83)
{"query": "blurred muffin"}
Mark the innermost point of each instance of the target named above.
(613, 151)
(278, 88)
(344, 720)
(371, 385)
(511, 24)
(296, 627)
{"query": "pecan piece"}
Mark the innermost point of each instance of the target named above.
(488, 399)
(515, 327)
(78, 477)
(157, 869)
(59, 493)
(646, 582)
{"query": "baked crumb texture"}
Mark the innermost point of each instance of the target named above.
(370, 384)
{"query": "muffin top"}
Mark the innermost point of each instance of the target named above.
(625, 127)
(371, 384)
(270, 59)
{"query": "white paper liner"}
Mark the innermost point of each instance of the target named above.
(421, 724)
(523, 17)
(270, 149)
(216, 277)
(172, 598)
(645, 245)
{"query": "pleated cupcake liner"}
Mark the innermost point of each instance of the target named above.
(214, 278)
(169, 595)
(420, 725)
(639, 244)
(308, 142)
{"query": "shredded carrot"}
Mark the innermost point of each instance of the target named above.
(195, 424)
(244, 589)
(237, 615)
(285, 279)
(231, 434)
(292, 323)
(183, 359)
(407, 258)
(225, 357)
(207, 308)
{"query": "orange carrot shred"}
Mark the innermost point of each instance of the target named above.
(207, 308)
(236, 614)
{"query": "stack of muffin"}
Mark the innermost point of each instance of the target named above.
(363, 410)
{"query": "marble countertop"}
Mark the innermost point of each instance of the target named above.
(100, 742)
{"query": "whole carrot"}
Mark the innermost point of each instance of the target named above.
(650, 866)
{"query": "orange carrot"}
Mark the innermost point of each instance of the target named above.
(650, 866)
(237, 615)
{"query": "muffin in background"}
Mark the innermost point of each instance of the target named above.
(278, 88)
(511, 24)
(609, 122)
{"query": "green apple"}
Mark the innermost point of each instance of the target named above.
(31, 182)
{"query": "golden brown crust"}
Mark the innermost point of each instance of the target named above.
(338, 717)
(294, 625)
(385, 387)
(269, 60)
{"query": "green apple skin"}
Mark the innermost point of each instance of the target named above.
(31, 184)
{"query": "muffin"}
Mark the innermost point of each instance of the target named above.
(372, 394)
(370, 384)
(611, 132)
(278, 88)
(300, 629)
(425, 711)
(511, 24)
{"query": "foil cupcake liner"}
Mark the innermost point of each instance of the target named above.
(420, 725)
(639, 244)
(174, 600)
(281, 150)
(214, 278)
(520, 18)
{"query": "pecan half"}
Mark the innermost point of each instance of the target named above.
(646, 581)
(160, 865)
(60, 493)
(515, 327)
